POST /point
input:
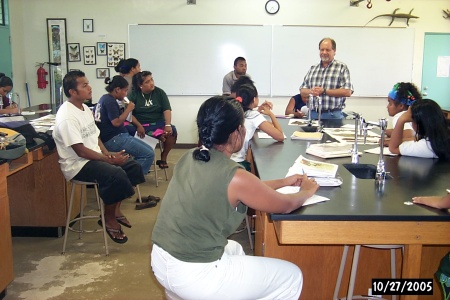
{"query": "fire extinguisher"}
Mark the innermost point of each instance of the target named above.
(41, 72)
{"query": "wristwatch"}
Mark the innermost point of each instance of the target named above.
(324, 92)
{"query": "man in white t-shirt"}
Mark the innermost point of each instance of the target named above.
(83, 157)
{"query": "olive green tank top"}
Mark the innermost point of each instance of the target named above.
(196, 217)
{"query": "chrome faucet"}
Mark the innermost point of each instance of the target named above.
(319, 112)
(311, 105)
(310, 108)
(15, 98)
(381, 171)
(354, 151)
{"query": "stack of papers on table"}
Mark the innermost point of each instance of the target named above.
(302, 122)
(348, 135)
(315, 168)
(330, 150)
(311, 136)
(44, 124)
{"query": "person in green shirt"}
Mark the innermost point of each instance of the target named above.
(152, 114)
(205, 202)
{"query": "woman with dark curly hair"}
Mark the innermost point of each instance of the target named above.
(432, 138)
(402, 95)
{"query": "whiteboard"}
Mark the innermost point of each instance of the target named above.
(376, 57)
(193, 59)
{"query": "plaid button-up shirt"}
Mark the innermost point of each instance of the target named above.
(336, 75)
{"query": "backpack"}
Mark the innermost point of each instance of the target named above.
(19, 124)
(12, 144)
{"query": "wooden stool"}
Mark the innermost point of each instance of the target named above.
(82, 217)
(354, 268)
(155, 169)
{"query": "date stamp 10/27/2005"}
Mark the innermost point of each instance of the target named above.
(407, 286)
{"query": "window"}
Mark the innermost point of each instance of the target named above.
(3, 13)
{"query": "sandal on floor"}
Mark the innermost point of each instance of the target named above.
(120, 220)
(148, 199)
(149, 204)
(162, 164)
(123, 221)
(111, 232)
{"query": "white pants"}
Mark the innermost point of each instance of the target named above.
(233, 276)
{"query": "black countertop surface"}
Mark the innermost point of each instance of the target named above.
(358, 199)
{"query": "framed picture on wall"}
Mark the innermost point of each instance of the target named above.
(73, 49)
(88, 25)
(115, 52)
(102, 72)
(89, 55)
(57, 56)
(101, 49)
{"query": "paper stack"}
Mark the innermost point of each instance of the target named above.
(311, 136)
(316, 168)
(330, 150)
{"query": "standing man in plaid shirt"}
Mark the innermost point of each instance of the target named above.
(330, 80)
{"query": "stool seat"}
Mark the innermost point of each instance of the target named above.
(354, 268)
(81, 216)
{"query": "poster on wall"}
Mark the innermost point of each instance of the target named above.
(57, 52)
(116, 52)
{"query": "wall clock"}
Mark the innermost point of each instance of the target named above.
(272, 7)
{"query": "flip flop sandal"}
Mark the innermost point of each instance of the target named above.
(162, 164)
(111, 231)
(149, 204)
(148, 199)
(120, 220)
(123, 221)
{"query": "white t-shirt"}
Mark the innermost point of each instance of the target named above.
(421, 148)
(252, 121)
(395, 119)
(74, 126)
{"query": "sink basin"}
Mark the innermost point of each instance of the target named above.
(309, 128)
(363, 171)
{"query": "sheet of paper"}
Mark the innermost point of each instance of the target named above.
(43, 111)
(376, 150)
(301, 122)
(294, 189)
(27, 113)
(148, 140)
(443, 66)
(263, 135)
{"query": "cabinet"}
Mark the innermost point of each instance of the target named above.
(39, 193)
(6, 260)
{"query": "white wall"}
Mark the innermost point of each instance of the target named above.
(111, 19)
